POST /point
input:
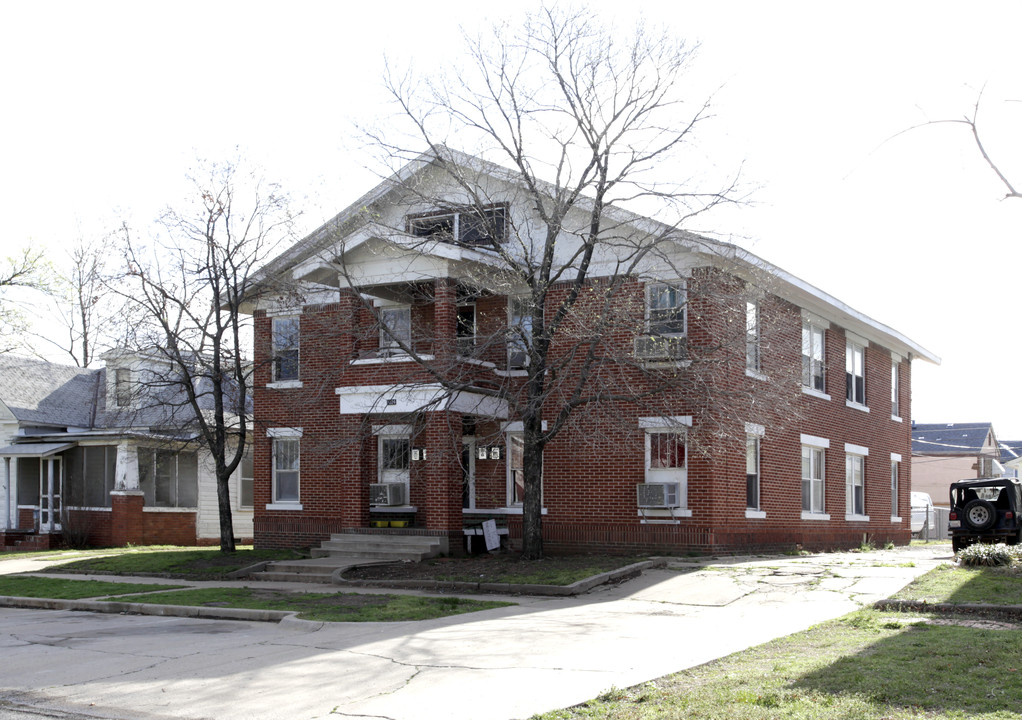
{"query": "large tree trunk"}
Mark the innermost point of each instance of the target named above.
(223, 494)
(532, 505)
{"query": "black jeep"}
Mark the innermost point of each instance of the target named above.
(985, 511)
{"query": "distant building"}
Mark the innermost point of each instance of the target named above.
(945, 452)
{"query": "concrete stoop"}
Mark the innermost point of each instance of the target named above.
(346, 550)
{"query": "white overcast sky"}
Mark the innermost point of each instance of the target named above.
(105, 107)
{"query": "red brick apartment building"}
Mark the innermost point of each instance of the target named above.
(760, 412)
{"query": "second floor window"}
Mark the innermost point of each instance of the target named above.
(855, 374)
(752, 333)
(665, 310)
(895, 391)
(812, 357)
(519, 332)
(122, 387)
(472, 226)
(396, 327)
(285, 347)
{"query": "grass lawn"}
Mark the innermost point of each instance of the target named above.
(41, 587)
(329, 607)
(868, 665)
(191, 564)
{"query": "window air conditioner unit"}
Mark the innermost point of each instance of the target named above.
(657, 495)
(387, 494)
(659, 347)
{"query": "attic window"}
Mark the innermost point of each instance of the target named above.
(122, 387)
(470, 226)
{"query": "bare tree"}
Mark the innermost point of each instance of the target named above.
(185, 288)
(577, 123)
(24, 271)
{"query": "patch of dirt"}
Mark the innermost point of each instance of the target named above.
(495, 568)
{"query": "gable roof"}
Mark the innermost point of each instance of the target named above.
(301, 258)
(42, 393)
(951, 438)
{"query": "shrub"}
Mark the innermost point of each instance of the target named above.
(983, 554)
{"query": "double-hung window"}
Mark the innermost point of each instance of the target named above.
(246, 481)
(752, 477)
(812, 357)
(855, 373)
(753, 361)
(895, 390)
(814, 473)
(667, 460)
(395, 327)
(519, 340)
(895, 462)
(285, 334)
(123, 388)
(286, 469)
(665, 310)
(855, 482)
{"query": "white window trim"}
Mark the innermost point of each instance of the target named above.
(755, 514)
(284, 384)
(284, 434)
(814, 441)
(851, 449)
(815, 516)
(667, 422)
(815, 393)
(274, 382)
(860, 452)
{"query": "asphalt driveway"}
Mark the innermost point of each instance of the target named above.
(505, 663)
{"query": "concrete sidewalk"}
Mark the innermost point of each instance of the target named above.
(510, 662)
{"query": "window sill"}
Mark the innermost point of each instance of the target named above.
(513, 510)
(284, 385)
(511, 373)
(393, 508)
(391, 359)
(856, 518)
(284, 506)
(755, 514)
(158, 509)
(815, 516)
(665, 513)
(654, 365)
(856, 406)
(896, 519)
(895, 418)
(815, 393)
(468, 360)
(755, 375)
(70, 507)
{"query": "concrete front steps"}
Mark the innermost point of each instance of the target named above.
(346, 550)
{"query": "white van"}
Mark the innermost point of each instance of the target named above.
(922, 509)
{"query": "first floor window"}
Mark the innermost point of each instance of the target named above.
(168, 478)
(516, 468)
(667, 460)
(90, 475)
(812, 479)
(286, 469)
(855, 485)
(752, 472)
(894, 489)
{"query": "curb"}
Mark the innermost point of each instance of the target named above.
(132, 608)
(577, 588)
(1014, 611)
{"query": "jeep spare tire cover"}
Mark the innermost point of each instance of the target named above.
(979, 514)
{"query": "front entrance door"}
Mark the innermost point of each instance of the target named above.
(51, 484)
(394, 457)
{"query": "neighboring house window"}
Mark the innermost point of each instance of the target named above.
(855, 485)
(246, 481)
(667, 459)
(752, 337)
(665, 310)
(752, 477)
(855, 374)
(122, 387)
(894, 489)
(895, 390)
(812, 357)
(986, 467)
(91, 473)
(286, 469)
(168, 479)
(285, 332)
(813, 479)
(467, 226)
(519, 332)
(395, 327)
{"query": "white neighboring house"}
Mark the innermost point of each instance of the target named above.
(79, 455)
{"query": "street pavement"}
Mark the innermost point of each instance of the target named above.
(501, 664)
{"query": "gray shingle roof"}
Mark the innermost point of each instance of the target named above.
(42, 393)
(949, 438)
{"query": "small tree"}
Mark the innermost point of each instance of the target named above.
(588, 122)
(185, 289)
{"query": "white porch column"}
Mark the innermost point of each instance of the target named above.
(49, 494)
(126, 477)
(7, 493)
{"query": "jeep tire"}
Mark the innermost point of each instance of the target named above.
(979, 514)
